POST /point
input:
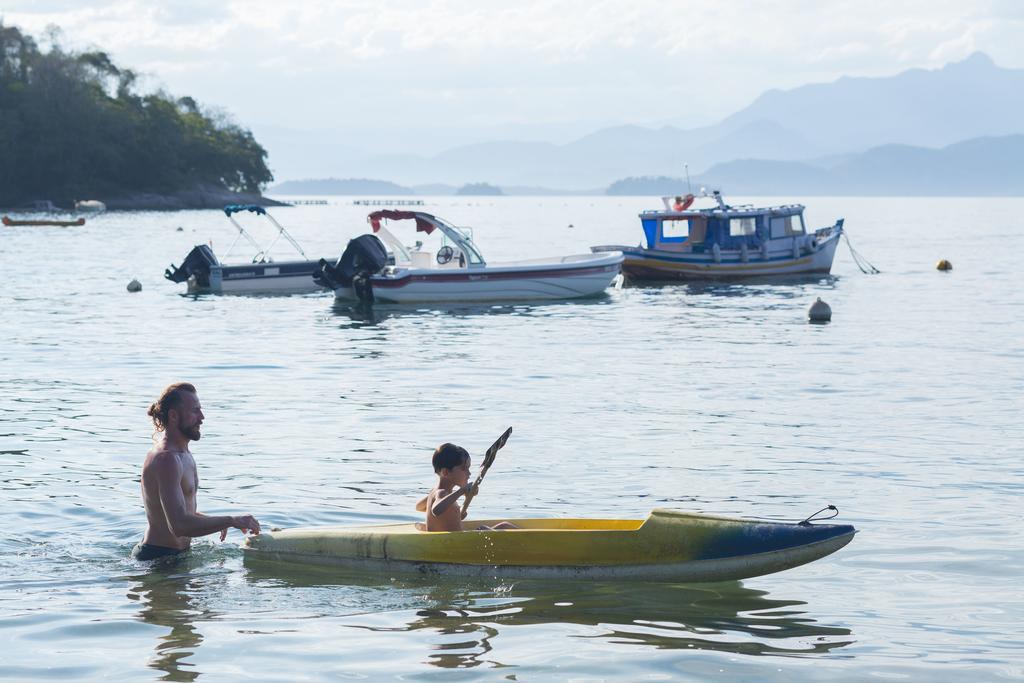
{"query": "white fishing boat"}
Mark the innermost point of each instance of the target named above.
(206, 273)
(379, 267)
(727, 242)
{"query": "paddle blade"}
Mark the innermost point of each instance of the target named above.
(488, 461)
(495, 447)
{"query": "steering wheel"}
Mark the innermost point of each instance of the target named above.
(445, 254)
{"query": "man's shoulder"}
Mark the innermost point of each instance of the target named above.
(163, 459)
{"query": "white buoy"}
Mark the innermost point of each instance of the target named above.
(134, 286)
(820, 312)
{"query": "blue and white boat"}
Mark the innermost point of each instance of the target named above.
(206, 273)
(727, 242)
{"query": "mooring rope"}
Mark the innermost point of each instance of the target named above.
(862, 263)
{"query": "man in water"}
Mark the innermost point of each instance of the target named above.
(170, 480)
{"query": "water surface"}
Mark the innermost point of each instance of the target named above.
(904, 411)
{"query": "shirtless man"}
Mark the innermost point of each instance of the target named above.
(170, 480)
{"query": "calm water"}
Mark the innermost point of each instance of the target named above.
(905, 412)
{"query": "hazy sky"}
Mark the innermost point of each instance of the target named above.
(427, 75)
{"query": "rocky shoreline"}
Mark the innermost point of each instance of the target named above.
(202, 196)
(198, 197)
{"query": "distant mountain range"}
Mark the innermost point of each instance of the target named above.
(992, 166)
(870, 134)
(334, 186)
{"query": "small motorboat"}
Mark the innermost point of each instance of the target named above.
(206, 273)
(378, 267)
(727, 242)
(7, 220)
(93, 205)
(668, 546)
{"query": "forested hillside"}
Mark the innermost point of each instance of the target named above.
(73, 126)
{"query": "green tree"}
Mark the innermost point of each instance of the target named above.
(72, 125)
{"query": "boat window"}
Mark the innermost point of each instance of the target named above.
(739, 227)
(795, 225)
(675, 229)
(787, 226)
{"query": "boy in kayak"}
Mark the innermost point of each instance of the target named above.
(451, 463)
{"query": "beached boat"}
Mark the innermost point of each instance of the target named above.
(206, 273)
(7, 220)
(727, 242)
(667, 546)
(378, 267)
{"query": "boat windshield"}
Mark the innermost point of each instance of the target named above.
(467, 246)
(398, 249)
(463, 239)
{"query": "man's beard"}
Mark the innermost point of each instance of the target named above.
(192, 432)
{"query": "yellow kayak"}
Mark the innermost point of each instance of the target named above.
(667, 546)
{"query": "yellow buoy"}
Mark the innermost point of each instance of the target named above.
(820, 312)
(943, 264)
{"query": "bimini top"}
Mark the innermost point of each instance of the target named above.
(424, 221)
(236, 208)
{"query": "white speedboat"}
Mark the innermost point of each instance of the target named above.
(378, 267)
(205, 273)
(727, 242)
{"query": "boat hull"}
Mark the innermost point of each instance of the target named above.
(12, 222)
(551, 279)
(285, 277)
(654, 264)
(669, 546)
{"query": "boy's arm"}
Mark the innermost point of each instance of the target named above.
(422, 505)
(445, 501)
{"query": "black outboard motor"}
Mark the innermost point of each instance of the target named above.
(197, 263)
(364, 256)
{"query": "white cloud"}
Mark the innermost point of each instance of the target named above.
(466, 65)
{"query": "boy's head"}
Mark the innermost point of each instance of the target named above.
(453, 458)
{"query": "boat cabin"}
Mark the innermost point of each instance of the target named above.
(698, 231)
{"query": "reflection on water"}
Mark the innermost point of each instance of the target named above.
(781, 286)
(467, 617)
(165, 599)
(368, 315)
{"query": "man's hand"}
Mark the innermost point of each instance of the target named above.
(247, 523)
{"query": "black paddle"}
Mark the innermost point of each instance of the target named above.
(488, 461)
